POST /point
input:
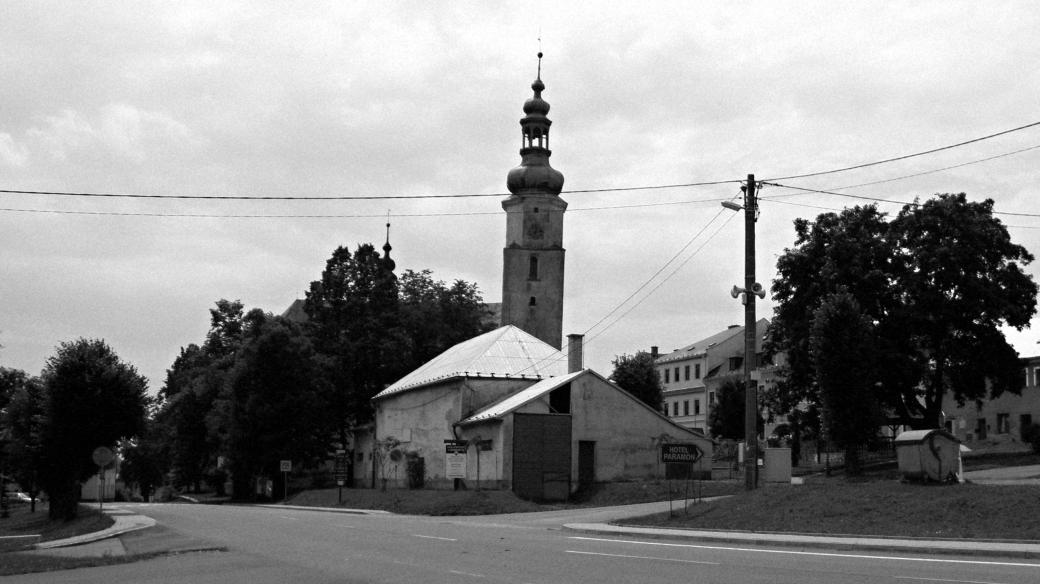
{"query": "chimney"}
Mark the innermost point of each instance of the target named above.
(575, 362)
(654, 353)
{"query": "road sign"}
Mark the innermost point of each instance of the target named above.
(680, 452)
(285, 466)
(456, 446)
(102, 456)
(455, 459)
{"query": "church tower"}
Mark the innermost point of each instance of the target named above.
(532, 275)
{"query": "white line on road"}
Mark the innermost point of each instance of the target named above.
(289, 518)
(946, 580)
(823, 554)
(466, 574)
(642, 557)
(434, 537)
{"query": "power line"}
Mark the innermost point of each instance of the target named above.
(906, 156)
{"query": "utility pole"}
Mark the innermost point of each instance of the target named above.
(747, 296)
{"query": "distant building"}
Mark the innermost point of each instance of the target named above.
(998, 420)
(692, 375)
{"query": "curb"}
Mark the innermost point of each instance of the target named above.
(958, 547)
(324, 509)
(123, 524)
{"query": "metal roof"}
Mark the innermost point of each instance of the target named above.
(507, 352)
(702, 346)
(518, 399)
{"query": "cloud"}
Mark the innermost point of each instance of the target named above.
(11, 152)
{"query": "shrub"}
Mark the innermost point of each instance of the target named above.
(1031, 436)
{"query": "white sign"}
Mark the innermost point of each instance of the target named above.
(455, 466)
(286, 466)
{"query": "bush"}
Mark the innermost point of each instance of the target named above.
(1031, 436)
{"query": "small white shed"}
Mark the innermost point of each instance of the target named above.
(929, 455)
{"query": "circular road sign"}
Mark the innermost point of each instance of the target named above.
(102, 456)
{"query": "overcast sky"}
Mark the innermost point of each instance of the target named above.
(423, 98)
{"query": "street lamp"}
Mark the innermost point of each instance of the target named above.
(747, 296)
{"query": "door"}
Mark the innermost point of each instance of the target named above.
(586, 463)
(542, 456)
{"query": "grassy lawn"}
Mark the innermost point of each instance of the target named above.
(22, 522)
(877, 505)
(485, 502)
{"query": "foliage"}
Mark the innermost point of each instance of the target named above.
(143, 461)
(277, 399)
(21, 426)
(636, 375)
(726, 418)
(1031, 436)
(937, 282)
(92, 399)
(435, 316)
(842, 349)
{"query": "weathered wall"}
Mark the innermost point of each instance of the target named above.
(628, 434)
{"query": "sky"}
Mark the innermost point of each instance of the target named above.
(410, 99)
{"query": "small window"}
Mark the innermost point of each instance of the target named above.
(675, 408)
(686, 373)
(686, 407)
(667, 372)
(536, 209)
(532, 302)
(711, 398)
(696, 407)
(697, 371)
(1003, 423)
(677, 374)
(532, 270)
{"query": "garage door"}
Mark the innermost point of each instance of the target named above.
(542, 456)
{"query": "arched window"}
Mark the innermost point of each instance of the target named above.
(532, 270)
(532, 302)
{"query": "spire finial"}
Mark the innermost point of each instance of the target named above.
(386, 246)
(539, 59)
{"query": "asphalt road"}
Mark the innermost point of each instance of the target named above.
(271, 545)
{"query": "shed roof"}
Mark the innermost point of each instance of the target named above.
(917, 436)
(520, 398)
(506, 352)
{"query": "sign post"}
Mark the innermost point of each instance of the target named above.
(102, 457)
(286, 468)
(681, 453)
(339, 471)
(455, 460)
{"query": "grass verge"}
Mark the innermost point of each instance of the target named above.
(875, 506)
(22, 522)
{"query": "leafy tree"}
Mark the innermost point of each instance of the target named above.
(435, 316)
(354, 313)
(22, 423)
(142, 465)
(278, 402)
(937, 282)
(92, 399)
(843, 353)
(726, 418)
(636, 375)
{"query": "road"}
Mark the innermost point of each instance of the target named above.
(273, 545)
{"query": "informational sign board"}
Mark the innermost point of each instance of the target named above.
(339, 467)
(285, 466)
(687, 453)
(455, 459)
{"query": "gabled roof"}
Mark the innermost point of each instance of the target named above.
(701, 347)
(295, 312)
(506, 352)
(518, 399)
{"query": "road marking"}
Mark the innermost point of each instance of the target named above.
(434, 537)
(822, 554)
(642, 557)
(946, 580)
(289, 518)
(466, 574)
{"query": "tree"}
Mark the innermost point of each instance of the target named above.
(23, 423)
(636, 375)
(842, 350)
(353, 312)
(726, 418)
(278, 402)
(434, 316)
(92, 399)
(937, 283)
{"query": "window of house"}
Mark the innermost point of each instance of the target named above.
(676, 374)
(735, 363)
(666, 373)
(696, 407)
(1003, 423)
(532, 302)
(697, 371)
(711, 398)
(1024, 422)
(1036, 376)
(1029, 377)
(686, 407)
(686, 373)
(532, 271)
(675, 408)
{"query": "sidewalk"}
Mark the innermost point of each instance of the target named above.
(1014, 549)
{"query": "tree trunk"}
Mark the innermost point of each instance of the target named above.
(852, 465)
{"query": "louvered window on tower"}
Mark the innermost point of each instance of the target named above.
(533, 302)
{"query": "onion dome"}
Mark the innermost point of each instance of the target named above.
(535, 175)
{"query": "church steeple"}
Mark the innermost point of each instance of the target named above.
(387, 262)
(532, 275)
